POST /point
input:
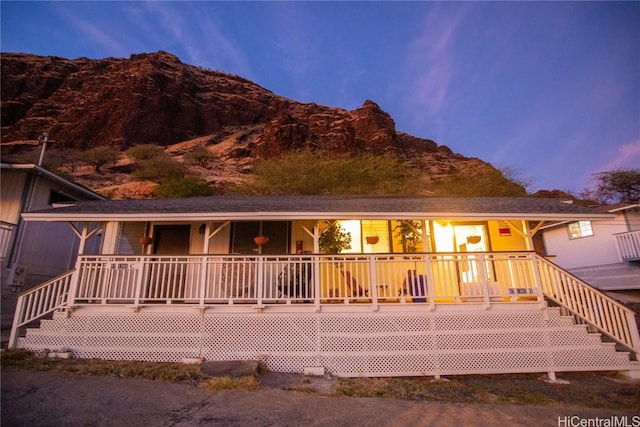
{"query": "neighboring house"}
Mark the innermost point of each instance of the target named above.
(34, 252)
(605, 253)
(426, 286)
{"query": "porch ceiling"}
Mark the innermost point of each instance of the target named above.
(319, 207)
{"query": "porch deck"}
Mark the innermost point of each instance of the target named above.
(379, 314)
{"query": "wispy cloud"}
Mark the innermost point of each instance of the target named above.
(626, 156)
(195, 29)
(91, 32)
(430, 61)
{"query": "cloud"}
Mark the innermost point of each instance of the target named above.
(196, 29)
(430, 60)
(92, 33)
(627, 157)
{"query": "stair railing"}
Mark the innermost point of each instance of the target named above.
(589, 305)
(38, 302)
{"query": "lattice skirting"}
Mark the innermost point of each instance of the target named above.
(345, 344)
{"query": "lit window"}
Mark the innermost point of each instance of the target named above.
(580, 229)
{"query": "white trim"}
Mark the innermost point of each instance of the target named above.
(53, 177)
(266, 216)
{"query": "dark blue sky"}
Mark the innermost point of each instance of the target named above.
(550, 89)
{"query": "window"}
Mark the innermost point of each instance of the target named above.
(580, 229)
(243, 234)
(367, 236)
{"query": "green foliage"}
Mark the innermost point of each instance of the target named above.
(407, 232)
(183, 187)
(100, 156)
(334, 239)
(200, 156)
(615, 186)
(314, 173)
(160, 169)
(145, 152)
(489, 183)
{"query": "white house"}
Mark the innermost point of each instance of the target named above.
(605, 253)
(426, 286)
(31, 253)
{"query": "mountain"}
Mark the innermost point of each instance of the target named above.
(156, 99)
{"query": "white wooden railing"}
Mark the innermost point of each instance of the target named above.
(6, 237)
(589, 306)
(232, 279)
(428, 279)
(39, 302)
(629, 245)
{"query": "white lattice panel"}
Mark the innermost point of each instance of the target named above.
(348, 344)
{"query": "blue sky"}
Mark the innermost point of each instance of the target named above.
(549, 89)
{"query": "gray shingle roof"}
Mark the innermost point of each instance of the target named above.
(319, 207)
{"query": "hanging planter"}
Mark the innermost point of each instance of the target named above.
(145, 240)
(474, 239)
(261, 240)
(372, 240)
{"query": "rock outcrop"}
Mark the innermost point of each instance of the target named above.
(156, 99)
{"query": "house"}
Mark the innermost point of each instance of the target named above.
(421, 286)
(605, 253)
(31, 253)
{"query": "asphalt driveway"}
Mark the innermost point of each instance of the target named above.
(51, 398)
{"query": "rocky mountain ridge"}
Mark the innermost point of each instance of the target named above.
(156, 99)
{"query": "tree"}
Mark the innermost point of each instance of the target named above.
(100, 156)
(615, 186)
(314, 173)
(478, 183)
(200, 156)
(183, 187)
(145, 152)
(159, 169)
(334, 239)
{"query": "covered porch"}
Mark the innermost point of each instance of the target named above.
(249, 278)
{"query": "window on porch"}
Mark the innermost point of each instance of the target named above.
(243, 235)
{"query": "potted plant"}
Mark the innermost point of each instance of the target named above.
(334, 239)
(407, 232)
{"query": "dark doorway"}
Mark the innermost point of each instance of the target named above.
(171, 239)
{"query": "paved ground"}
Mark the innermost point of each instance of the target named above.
(33, 398)
(50, 398)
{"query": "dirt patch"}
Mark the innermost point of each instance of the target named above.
(605, 390)
(53, 398)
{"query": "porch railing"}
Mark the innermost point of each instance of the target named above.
(6, 238)
(373, 279)
(629, 245)
(39, 302)
(589, 306)
(232, 279)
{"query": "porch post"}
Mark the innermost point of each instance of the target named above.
(316, 280)
(138, 290)
(260, 280)
(73, 285)
(13, 337)
(537, 278)
(374, 282)
(431, 290)
(204, 265)
(484, 279)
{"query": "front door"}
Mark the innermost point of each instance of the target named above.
(171, 239)
(169, 275)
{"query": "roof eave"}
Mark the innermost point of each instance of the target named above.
(280, 216)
